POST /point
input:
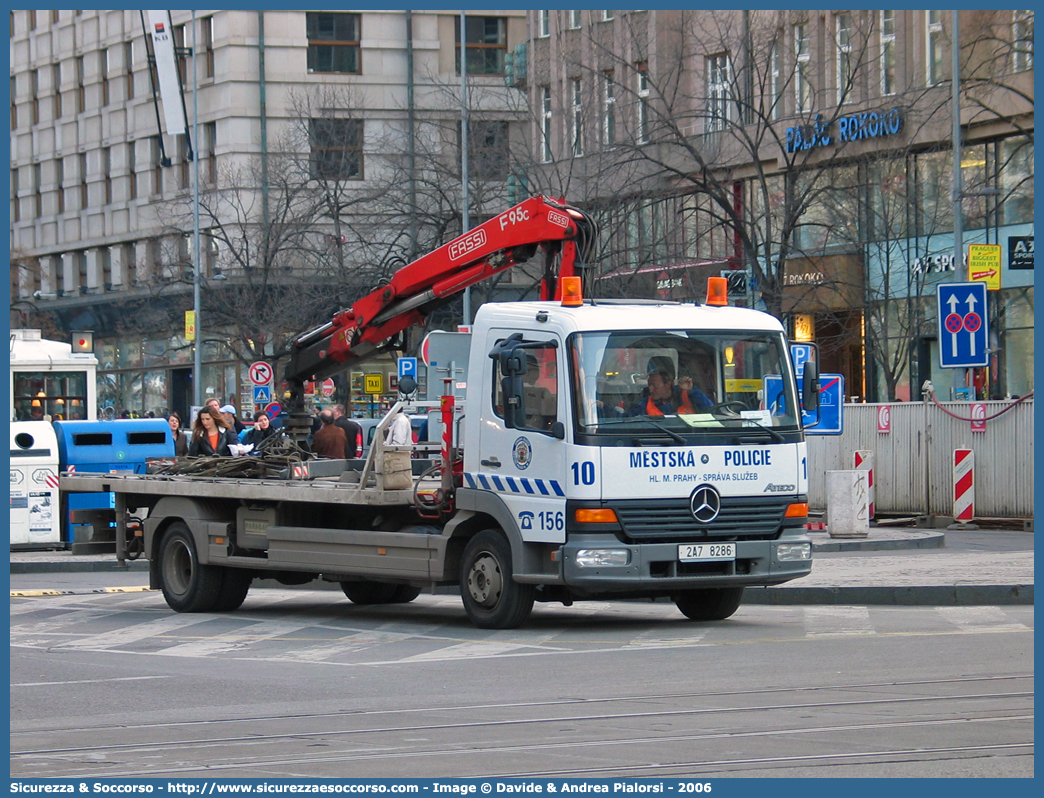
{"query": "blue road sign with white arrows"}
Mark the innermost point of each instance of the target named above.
(963, 329)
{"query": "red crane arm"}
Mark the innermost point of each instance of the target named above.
(414, 290)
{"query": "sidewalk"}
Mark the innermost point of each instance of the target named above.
(891, 566)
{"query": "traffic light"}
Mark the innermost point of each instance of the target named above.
(83, 342)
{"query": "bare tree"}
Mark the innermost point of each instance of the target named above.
(726, 109)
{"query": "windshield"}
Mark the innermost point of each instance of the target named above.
(681, 381)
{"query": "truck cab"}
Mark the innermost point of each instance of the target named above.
(627, 449)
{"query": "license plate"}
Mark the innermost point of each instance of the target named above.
(703, 552)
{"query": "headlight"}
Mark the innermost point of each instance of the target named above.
(786, 552)
(597, 558)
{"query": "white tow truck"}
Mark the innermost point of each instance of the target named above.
(570, 471)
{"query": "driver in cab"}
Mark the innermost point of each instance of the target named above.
(662, 397)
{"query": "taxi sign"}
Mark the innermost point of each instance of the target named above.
(373, 383)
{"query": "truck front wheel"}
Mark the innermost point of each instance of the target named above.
(188, 586)
(492, 598)
(711, 604)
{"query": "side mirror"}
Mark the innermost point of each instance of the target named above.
(810, 387)
(558, 430)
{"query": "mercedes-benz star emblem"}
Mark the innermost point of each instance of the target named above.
(705, 504)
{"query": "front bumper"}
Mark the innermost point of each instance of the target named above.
(654, 567)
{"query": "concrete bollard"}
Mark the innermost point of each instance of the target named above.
(848, 504)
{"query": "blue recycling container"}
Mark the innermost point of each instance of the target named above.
(122, 445)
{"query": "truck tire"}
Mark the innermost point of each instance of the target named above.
(710, 604)
(492, 598)
(369, 592)
(187, 585)
(404, 594)
(235, 582)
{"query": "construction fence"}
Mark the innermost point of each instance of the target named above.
(913, 462)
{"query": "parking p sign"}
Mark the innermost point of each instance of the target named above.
(407, 367)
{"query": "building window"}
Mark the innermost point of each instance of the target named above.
(105, 267)
(574, 19)
(934, 47)
(1022, 39)
(32, 20)
(14, 103)
(489, 153)
(128, 63)
(333, 43)
(132, 176)
(206, 35)
(157, 167)
(34, 93)
(337, 149)
(177, 34)
(81, 89)
(37, 190)
(775, 83)
(577, 119)
(104, 68)
(545, 124)
(59, 276)
(184, 161)
(59, 179)
(127, 260)
(210, 142)
(486, 45)
(54, 17)
(16, 213)
(57, 78)
(544, 23)
(719, 80)
(83, 181)
(803, 69)
(609, 101)
(844, 58)
(887, 52)
(642, 85)
(106, 164)
(81, 271)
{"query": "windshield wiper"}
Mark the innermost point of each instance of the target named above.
(643, 420)
(772, 433)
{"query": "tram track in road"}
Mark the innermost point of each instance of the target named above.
(647, 742)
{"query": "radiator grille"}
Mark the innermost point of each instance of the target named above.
(746, 518)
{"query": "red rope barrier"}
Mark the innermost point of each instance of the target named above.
(987, 418)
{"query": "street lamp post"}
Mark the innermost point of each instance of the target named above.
(465, 219)
(197, 363)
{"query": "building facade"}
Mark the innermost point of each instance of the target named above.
(810, 155)
(327, 148)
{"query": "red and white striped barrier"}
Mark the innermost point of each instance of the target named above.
(864, 461)
(963, 485)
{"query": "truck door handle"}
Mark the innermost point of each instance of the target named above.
(493, 463)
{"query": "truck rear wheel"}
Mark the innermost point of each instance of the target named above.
(711, 604)
(188, 586)
(492, 598)
(369, 592)
(235, 582)
(404, 594)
